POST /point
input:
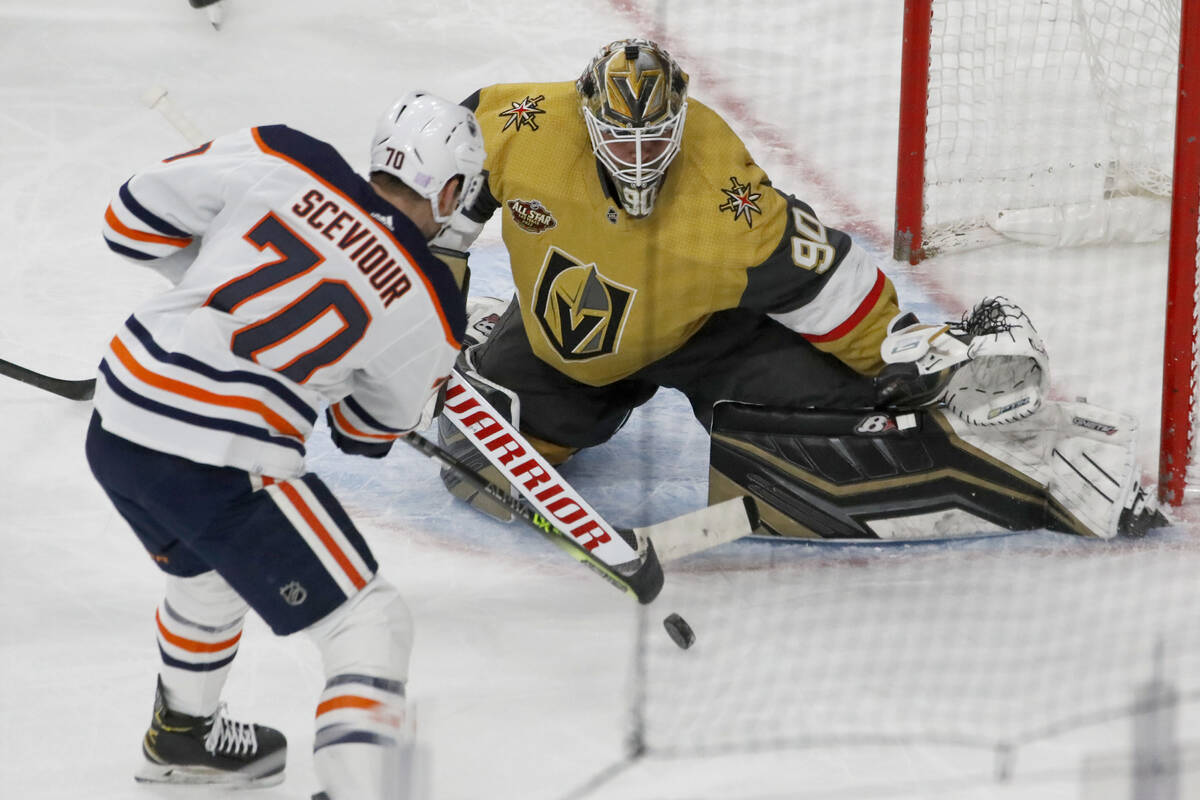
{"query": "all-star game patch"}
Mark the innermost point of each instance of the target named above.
(531, 216)
(523, 114)
(741, 201)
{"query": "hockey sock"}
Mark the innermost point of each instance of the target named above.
(364, 737)
(199, 623)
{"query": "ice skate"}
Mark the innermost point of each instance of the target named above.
(1140, 515)
(182, 749)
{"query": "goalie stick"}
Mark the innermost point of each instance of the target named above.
(545, 494)
(72, 390)
(643, 583)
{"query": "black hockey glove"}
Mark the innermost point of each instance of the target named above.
(353, 446)
(902, 386)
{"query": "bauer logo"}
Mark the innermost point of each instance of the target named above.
(875, 424)
(293, 593)
(531, 216)
(1092, 425)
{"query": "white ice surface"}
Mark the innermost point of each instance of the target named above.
(521, 667)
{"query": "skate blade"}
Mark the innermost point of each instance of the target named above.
(176, 775)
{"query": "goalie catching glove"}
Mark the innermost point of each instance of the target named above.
(990, 368)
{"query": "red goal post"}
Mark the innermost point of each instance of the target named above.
(1112, 52)
(1179, 352)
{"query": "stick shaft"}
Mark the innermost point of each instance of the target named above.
(644, 584)
(72, 390)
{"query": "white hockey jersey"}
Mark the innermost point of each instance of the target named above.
(295, 287)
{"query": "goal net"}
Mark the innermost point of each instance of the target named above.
(1046, 122)
(1036, 161)
(1020, 664)
(1054, 124)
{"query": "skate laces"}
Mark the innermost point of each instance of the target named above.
(230, 737)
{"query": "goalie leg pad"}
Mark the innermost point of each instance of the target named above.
(922, 474)
(1085, 455)
(1094, 471)
(864, 475)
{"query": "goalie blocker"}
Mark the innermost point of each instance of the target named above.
(927, 474)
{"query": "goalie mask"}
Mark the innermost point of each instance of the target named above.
(426, 141)
(634, 99)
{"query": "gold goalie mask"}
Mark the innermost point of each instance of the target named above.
(634, 99)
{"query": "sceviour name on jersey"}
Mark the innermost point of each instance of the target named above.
(349, 229)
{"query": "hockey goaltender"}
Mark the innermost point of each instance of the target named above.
(649, 250)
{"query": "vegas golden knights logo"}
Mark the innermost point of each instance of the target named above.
(637, 98)
(581, 311)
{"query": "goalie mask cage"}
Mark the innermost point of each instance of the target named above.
(1062, 123)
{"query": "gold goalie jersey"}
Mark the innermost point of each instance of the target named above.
(603, 294)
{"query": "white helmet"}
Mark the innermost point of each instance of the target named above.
(426, 141)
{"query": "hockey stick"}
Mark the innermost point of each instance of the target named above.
(700, 530)
(72, 390)
(644, 583)
(543, 488)
(156, 98)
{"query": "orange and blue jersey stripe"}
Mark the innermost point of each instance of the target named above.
(134, 231)
(177, 386)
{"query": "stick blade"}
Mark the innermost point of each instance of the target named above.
(702, 529)
(71, 390)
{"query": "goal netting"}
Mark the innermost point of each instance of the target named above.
(1002, 646)
(1054, 123)
(1043, 169)
(1048, 122)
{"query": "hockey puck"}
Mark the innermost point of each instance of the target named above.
(680, 632)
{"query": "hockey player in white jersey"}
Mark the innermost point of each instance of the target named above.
(298, 287)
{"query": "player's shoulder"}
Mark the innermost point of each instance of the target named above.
(519, 107)
(309, 154)
(708, 119)
(320, 160)
(723, 186)
(710, 145)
